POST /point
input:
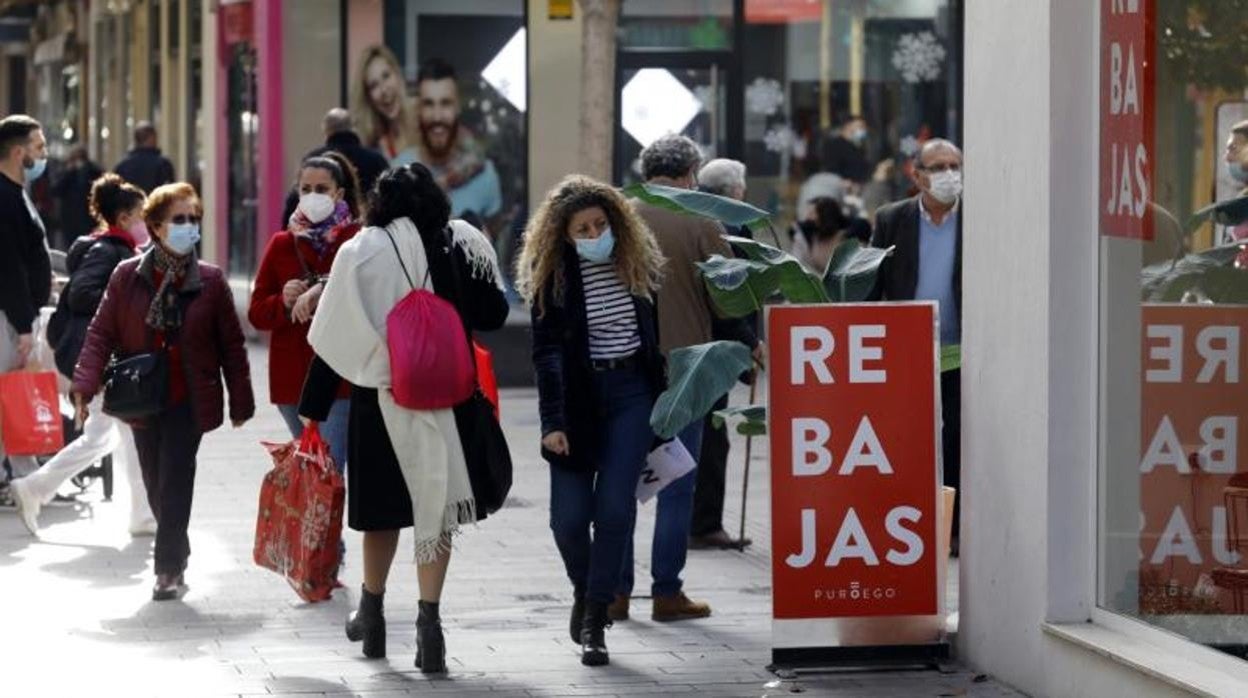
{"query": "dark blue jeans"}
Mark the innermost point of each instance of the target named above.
(673, 519)
(606, 499)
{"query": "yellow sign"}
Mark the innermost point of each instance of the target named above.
(560, 9)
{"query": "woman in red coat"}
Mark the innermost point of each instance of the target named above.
(168, 303)
(289, 284)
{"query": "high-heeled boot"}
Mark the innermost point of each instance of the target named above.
(368, 623)
(430, 645)
(593, 635)
(577, 622)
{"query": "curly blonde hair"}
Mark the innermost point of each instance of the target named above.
(638, 259)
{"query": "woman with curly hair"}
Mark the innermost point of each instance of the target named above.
(589, 270)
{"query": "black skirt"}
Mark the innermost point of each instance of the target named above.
(377, 496)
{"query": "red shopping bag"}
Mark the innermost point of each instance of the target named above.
(299, 522)
(485, 374)
(30, 414)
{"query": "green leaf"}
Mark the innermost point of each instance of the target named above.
(698, 376)
(794, 282)
(738, 287)
(950, 357)
(699, 203)
(852, 271)
(753, 419)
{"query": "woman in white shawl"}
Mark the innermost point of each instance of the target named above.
(407, 466)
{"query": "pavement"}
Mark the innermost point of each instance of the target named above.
(76, 617)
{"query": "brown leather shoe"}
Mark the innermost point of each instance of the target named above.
(618, 610)
(678, 607)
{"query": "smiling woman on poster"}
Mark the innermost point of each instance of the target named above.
(386, 115)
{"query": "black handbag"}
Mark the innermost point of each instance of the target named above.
(136, 387)
(485, 452)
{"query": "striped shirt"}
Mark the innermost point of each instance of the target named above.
(610, 313)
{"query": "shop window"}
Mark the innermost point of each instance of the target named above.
(427, 95)
(839, 97)
(703, 25)
(1173, 425)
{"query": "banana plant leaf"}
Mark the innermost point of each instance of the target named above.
(700, 203)
(950, 357)
(738, 287)
(795, 283)
(1230, 212)
(697, 377)
(751, 420)
(852, 271)
(1210, 273)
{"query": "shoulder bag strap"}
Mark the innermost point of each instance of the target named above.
(303, 264)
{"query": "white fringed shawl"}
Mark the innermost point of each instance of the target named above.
(349, 333)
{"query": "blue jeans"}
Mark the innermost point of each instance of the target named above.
(334, 429)
(607, 498)
(672, 522)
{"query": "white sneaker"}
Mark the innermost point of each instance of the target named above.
(28, 506)
(144, 528)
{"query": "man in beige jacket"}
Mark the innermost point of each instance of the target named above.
(685, 319)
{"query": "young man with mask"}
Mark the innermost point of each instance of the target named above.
(25, 270)
(926, 231)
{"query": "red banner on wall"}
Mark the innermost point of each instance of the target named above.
(852, 413)
(783, 11)
(1127, 115)
(1194, 409)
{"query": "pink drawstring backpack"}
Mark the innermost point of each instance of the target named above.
(431, 367)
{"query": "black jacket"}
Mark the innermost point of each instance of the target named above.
(90, 263)
(73, 189)
(146, 169)
(565, 382)
(898, 224)
(369, 164)
(25, 269)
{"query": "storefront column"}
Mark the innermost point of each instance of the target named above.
(216, 146)
(271, 185)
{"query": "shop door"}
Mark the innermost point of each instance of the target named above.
(695, 94)
(243, 126)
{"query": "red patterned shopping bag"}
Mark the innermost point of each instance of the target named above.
(299, 522)
(30, 413)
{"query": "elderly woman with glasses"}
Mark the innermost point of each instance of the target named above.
(171, 306)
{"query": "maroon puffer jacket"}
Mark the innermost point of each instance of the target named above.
(211, 339)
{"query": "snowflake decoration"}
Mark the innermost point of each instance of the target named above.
(909, 146)
(705, 95)
(779, 139)
(764, 96)
(918, 57)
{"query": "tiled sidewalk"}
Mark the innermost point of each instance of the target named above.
(77, 619)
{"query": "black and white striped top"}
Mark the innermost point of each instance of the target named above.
(610, 313)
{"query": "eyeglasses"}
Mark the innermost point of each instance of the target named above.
(940, 167)
(183, 219)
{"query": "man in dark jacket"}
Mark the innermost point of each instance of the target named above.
(25, 270)
(340, 136)
(72, 189)
(144, 166)
(926, 264)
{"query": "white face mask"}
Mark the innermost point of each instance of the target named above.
(317, 207)
(945, 186)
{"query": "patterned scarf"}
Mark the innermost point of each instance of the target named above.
(161, 314)
(320, 235)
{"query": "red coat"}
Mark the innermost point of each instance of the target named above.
(290, 355)
(210, 339)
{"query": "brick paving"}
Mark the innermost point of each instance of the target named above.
(77, 617)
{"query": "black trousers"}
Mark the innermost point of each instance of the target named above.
(951, 436)
(708, 495)
(167, 446)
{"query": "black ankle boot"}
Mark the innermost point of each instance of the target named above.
(369, 624)
(593, 635)
(578, 615)
(430, 645)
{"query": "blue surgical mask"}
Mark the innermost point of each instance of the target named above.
(182, 238)
(1238, 171)
(35, 169)
(597, 250)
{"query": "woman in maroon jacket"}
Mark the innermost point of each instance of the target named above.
(168, 301)
(289, 283)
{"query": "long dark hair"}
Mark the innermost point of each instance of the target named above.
(408, 192)
(344, 174)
